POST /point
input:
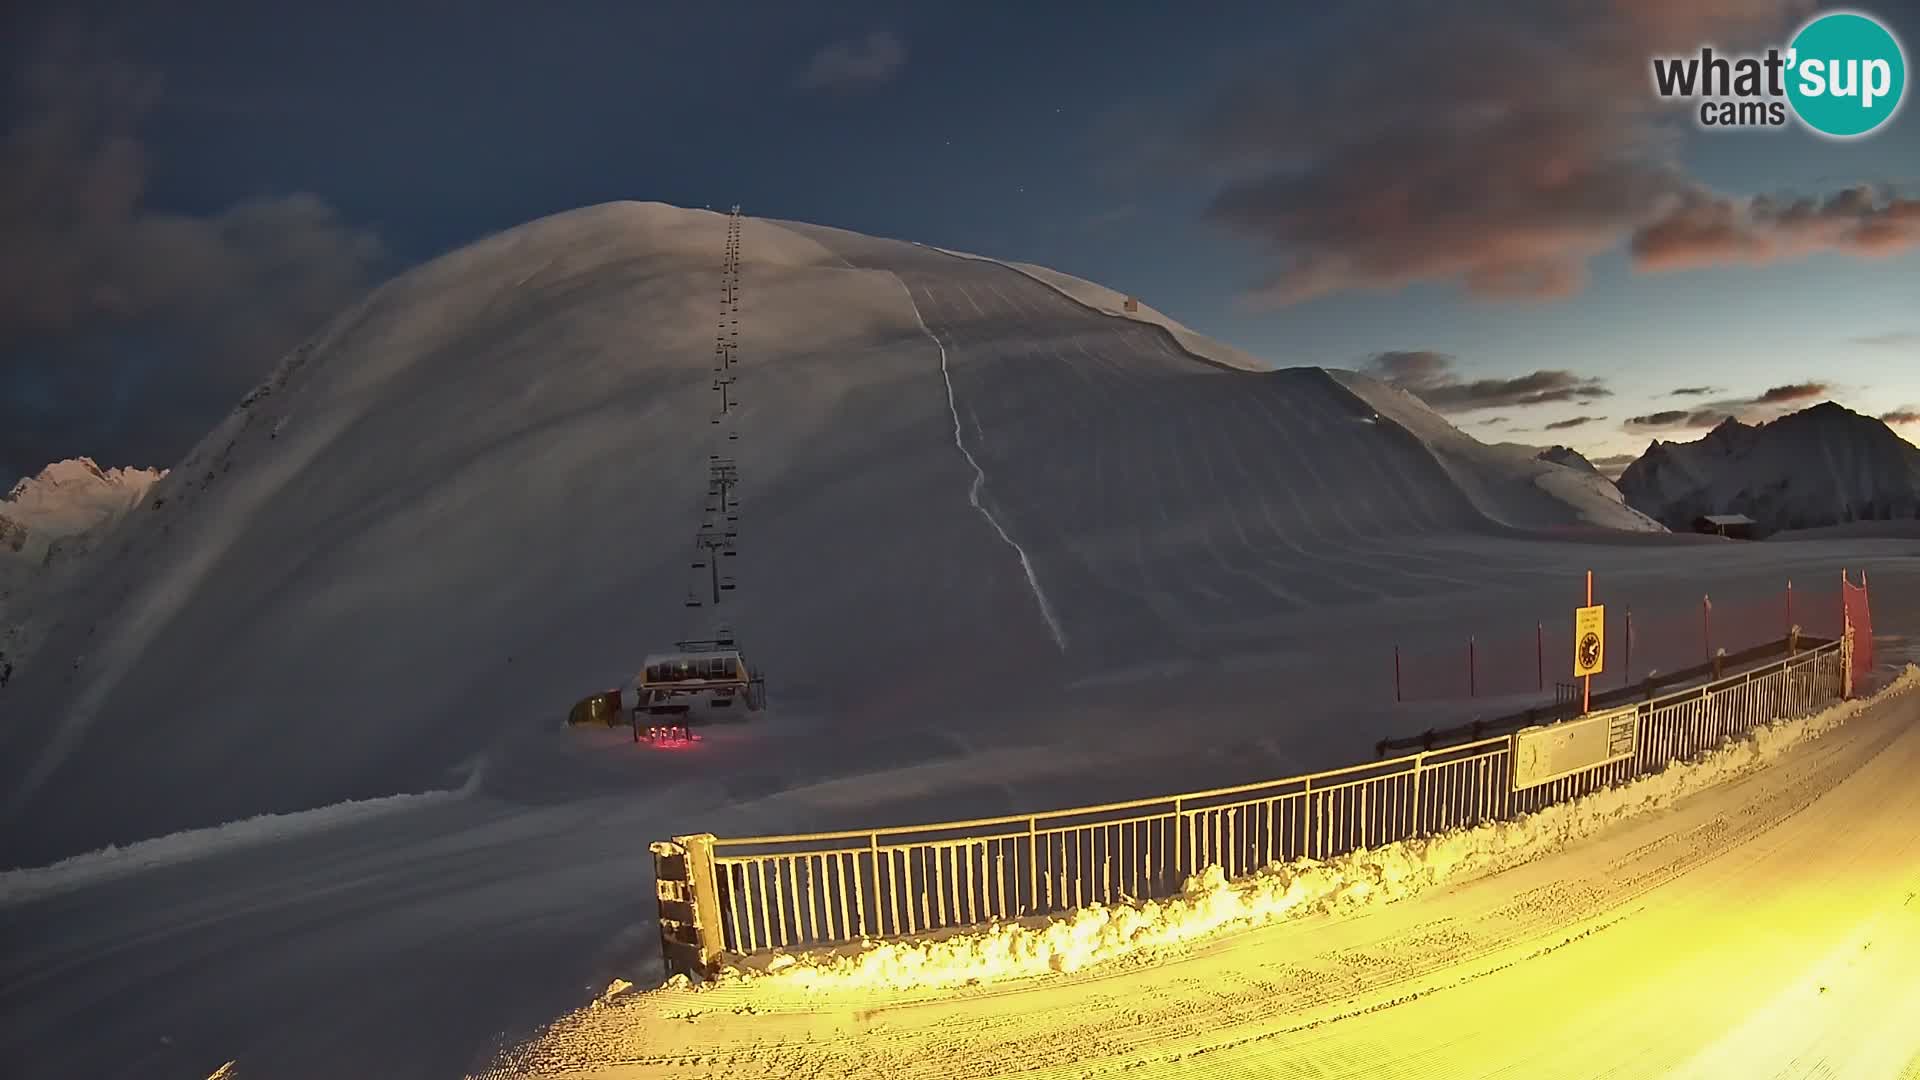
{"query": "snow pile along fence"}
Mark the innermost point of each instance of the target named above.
(738, 897)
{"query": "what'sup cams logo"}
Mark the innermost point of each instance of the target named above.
(1843, 74)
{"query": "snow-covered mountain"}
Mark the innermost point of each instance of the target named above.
(48, 523)
(1824, 465)
(67, 501)
(473, 497)
(1568, 456)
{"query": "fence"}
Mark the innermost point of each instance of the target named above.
(1568, 698)
(742, 896)
(1642, 638)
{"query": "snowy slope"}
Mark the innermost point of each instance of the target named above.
(1512, 484)
(1506, 482)
(468, 501)
(1109, 302)
(472, 499)
(1823, 465)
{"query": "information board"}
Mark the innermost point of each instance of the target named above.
(1552, 751)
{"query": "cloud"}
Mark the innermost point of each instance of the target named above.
(1502, 164)
(1695, 391)
(1679, 419)
(1894, 338)
(1791, 392)
(1493, 421)
(1904, 415)
(1766, 405)
(97, 287)
(1573, 422)
(1430, 377)
(1700, 228)
(855, 63)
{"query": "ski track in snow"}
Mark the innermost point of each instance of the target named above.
(980, 478)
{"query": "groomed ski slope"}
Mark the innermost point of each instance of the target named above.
(466, 504)
(470, 501)
(1756, 913)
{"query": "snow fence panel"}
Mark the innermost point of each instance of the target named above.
(819, 890)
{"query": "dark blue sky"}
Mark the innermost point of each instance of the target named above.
(1341, 166)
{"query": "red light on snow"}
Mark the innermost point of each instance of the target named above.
(671, 738)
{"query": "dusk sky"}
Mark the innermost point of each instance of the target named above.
(1484, 201)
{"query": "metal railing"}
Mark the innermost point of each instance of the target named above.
(819, 889)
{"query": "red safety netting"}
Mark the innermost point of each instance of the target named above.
(1653, 635)
(1859, 616)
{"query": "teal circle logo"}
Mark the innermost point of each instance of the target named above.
(1846, 74)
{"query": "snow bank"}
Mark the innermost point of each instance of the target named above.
(108, 863)
(1210, 904)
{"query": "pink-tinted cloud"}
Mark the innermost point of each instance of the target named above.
(1766, 405)
(1501, 163)
(1791, 392)
(1700, 228)
(1907, 415)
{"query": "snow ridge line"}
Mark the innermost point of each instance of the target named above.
(1165, 331)
(113, 861)
(980, 477)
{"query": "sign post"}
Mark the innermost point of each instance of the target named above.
(1589, 645)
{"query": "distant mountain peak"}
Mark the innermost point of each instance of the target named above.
(79, 473)
(69, 497)
(1568, 456)
(1822, 465)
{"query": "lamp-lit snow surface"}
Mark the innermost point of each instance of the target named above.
(286, 785)
(1755, 912)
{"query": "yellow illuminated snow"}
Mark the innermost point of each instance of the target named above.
(1723, 937)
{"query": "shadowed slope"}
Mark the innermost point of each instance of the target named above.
(473, 498)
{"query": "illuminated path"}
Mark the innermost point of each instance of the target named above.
(1766, 927)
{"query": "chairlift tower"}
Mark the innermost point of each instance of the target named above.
(714, 544)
